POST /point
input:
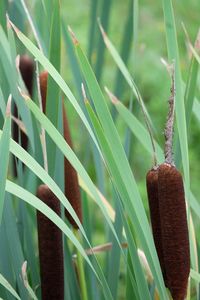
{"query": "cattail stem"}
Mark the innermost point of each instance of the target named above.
(81, 272)
(170, 124)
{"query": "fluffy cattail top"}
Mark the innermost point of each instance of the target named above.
(50, 249)
(72, 191)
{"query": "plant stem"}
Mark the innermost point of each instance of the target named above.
(170, 123)
(81, 272)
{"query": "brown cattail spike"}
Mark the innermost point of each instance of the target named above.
(50, 249)
(168, 215)
(174, 228)
(152, 191)
(43, 88)
(27, 69)
(72, 191)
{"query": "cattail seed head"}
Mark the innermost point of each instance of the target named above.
(152, 192)
(168, 214)
(175, 239)
(72, 191)
(27, 69)
(169, 224)
(43, 88)
(50, 249)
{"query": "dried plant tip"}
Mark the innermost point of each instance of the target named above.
(112, 97)
(72, 191)
(175, 239)
(50, 249)
(170, 122)
(8, 107)
(74, 39)
(152, 192)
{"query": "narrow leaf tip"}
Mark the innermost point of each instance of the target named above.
(8, 107)
(111, 96)
(74, 39)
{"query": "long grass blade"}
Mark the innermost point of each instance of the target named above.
(136, 127)
(14, 244)
(4, 154)
(3, 8)
(7, 286)
(105, 16)
(53, 91)
(123, 69)
(92, 27)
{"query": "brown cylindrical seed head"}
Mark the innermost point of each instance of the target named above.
(152, 192)
(50, 249)
(27, 69)
(175, 239)
(72, 191)
(43, 88)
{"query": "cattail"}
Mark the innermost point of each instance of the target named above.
(174, 228)
(152, 190)
(43, 88)
(27, 69)
(168, 216)
(72, 191)
(50, 249)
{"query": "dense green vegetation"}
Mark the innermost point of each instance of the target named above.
(112, 151)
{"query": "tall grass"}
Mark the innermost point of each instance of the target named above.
(112, 255)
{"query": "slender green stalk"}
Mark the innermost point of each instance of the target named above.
(81, 272)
